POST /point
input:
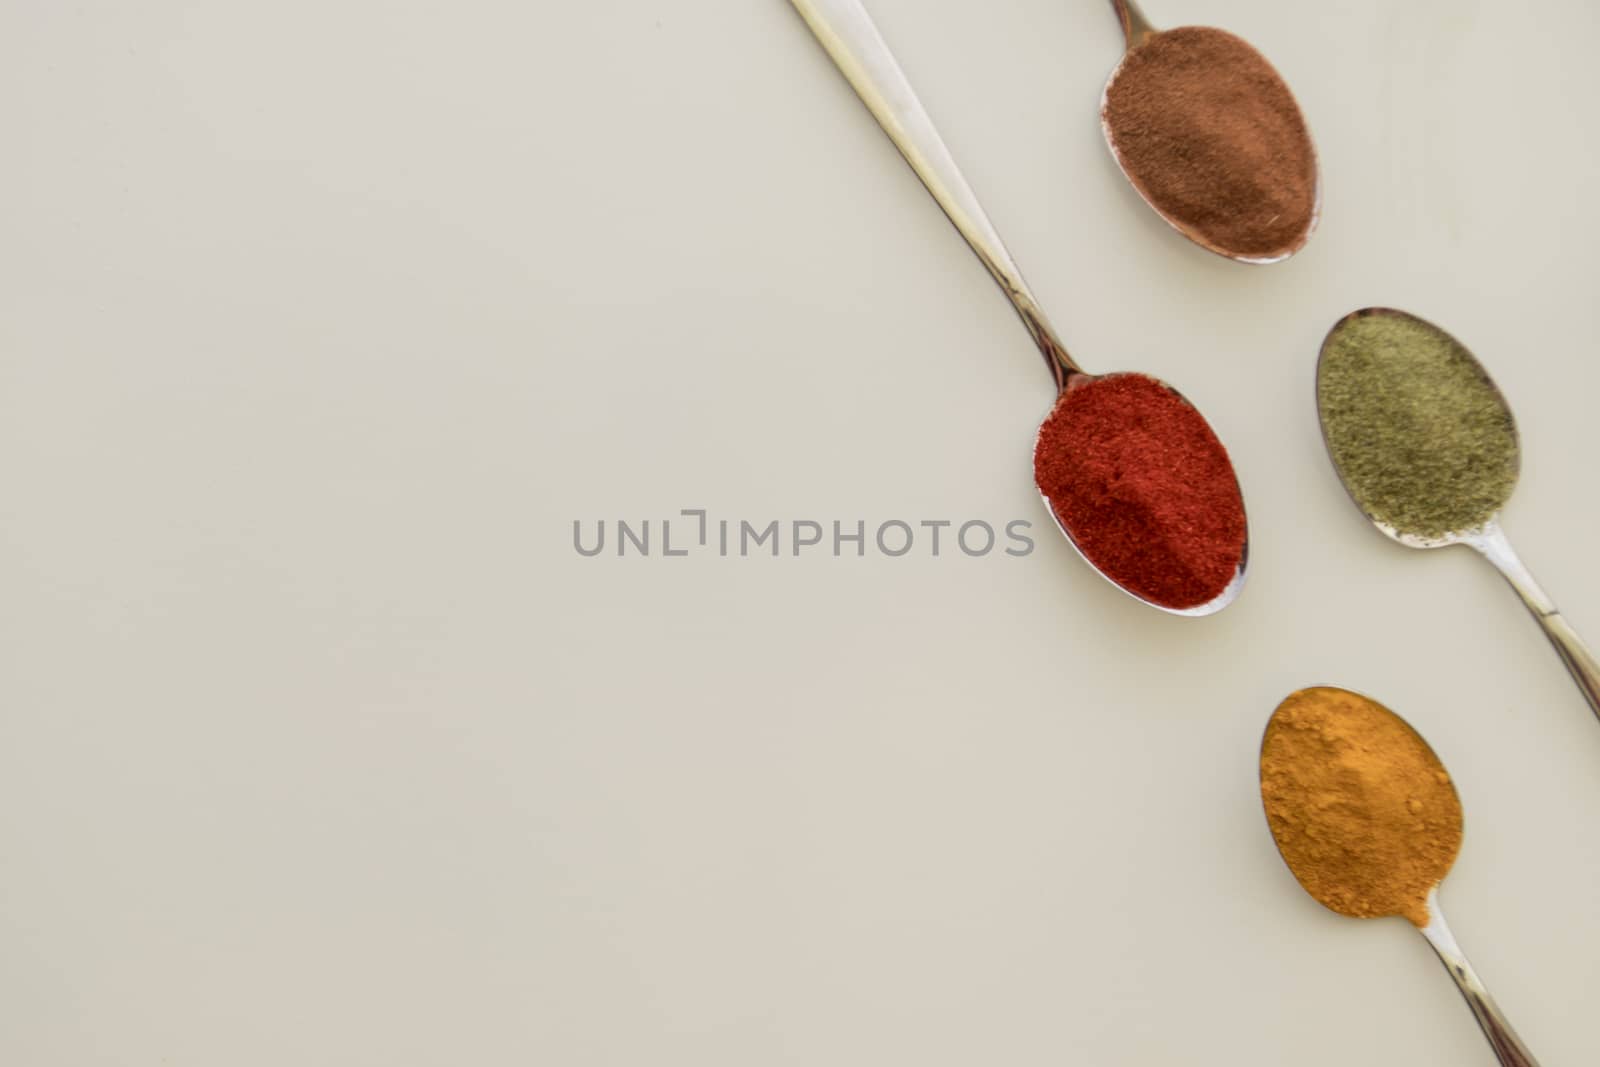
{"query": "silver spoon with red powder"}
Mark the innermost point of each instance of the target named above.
(1208, 133)
(1130, 470)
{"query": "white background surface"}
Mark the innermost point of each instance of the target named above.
(321, 745)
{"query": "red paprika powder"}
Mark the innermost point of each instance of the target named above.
(1143, 488)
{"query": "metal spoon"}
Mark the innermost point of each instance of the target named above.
(1137, 31)
(852, 40)
(1507, 1046)
(1503, 1039)
(1488, 539)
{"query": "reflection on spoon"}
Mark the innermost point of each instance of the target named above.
(1208, 133)
(1427, 447)
(1368, 821)
(848, 34)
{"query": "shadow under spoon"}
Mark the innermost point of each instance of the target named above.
(852, 40)
(1427, 447)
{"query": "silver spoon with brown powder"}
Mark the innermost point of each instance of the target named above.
(1427, 448)
(1367, 819)
(1208, 133)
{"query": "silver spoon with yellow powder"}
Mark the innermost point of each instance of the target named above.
(1368, 821)
(1428, 449)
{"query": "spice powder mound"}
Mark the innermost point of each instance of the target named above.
(1144, 488)
(1362, 810)
(1417, 430)
(1207, 130)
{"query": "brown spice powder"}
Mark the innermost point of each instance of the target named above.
(1363, 811)
(1211, 136)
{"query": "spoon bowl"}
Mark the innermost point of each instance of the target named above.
(1213, 190)
(1180, 570)
(1384, 491)
(1429, 471)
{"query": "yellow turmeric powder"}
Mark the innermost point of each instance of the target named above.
(1362, 810)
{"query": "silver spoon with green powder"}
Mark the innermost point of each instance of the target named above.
(1428, 449)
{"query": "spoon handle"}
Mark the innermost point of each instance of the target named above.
(1135, 27)
(1496, 548)
(847, 32)
(1507, 1046)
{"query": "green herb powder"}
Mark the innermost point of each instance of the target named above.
(1415, 426)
